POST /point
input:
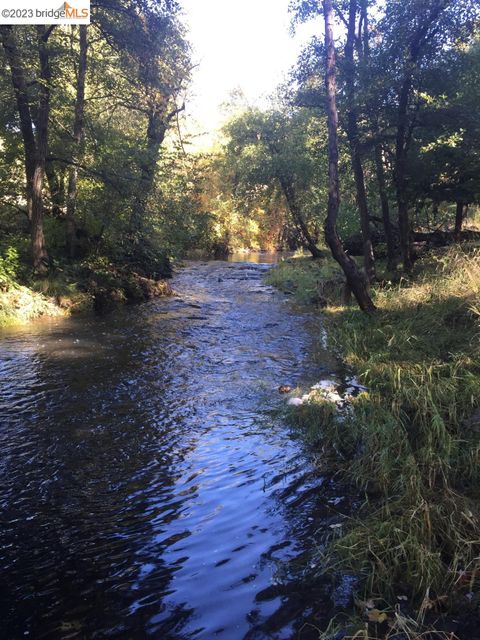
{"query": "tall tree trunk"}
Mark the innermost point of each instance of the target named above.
(78, 140)
(378, 151)
(387, 223)
(354, 277)
(156, 132)
(460, 214)
(23, 107)
(289, 193)
(35, 146)
(39, 252)
(353, 139)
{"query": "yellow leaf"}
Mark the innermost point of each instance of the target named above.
(375, 615)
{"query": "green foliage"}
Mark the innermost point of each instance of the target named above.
(138, 64)
(310, 281)
(9, 267)
(265, 150)
(434, 47)
(445, 160)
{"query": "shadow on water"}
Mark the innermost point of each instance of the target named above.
(148, 487)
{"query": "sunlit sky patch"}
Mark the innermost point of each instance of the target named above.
(238, 44)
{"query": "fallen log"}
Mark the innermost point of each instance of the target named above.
(428, 239)
(443, 238)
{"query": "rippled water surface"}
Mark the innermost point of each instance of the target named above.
(148, 486)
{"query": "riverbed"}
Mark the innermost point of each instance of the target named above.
(149, 485)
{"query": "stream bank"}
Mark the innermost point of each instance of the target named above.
(410, 442)
(99, 288)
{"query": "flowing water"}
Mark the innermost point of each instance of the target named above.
(148, 484)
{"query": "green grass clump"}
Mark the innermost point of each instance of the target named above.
(20, 304)
(55, 285)
(412, 443)
(417, 437)
(309, 281)
(24, 298)
(314, 417)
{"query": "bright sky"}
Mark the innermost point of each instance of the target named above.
(237, 44)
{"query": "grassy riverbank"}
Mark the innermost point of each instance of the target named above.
(94, 287)
(411, 444)
(19, 304)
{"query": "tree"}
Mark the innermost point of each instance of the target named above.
(383, 75)
(35, 143)
(353, 133)
(444, 157)
(93, 113)
(78, 139)
(354, 277)
(416, 45)
(153, 47)
(273, 147)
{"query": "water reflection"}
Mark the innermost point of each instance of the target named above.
(147, 487)
(259, 257)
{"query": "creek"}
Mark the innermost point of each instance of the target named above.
(149, 486)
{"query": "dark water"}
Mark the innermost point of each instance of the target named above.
(148, 486)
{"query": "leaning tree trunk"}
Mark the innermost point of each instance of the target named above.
(354, 277)
(297, 217)
(78, 139)
(353, 139)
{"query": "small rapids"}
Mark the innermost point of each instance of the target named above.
(148, 484)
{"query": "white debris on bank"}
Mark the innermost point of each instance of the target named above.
(296, 402)
(324, 338)
(330, 390)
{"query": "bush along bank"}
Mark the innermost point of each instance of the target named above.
(111, 286)
(94, 286)
(410, 443)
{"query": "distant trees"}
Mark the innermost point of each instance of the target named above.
(275, 148)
